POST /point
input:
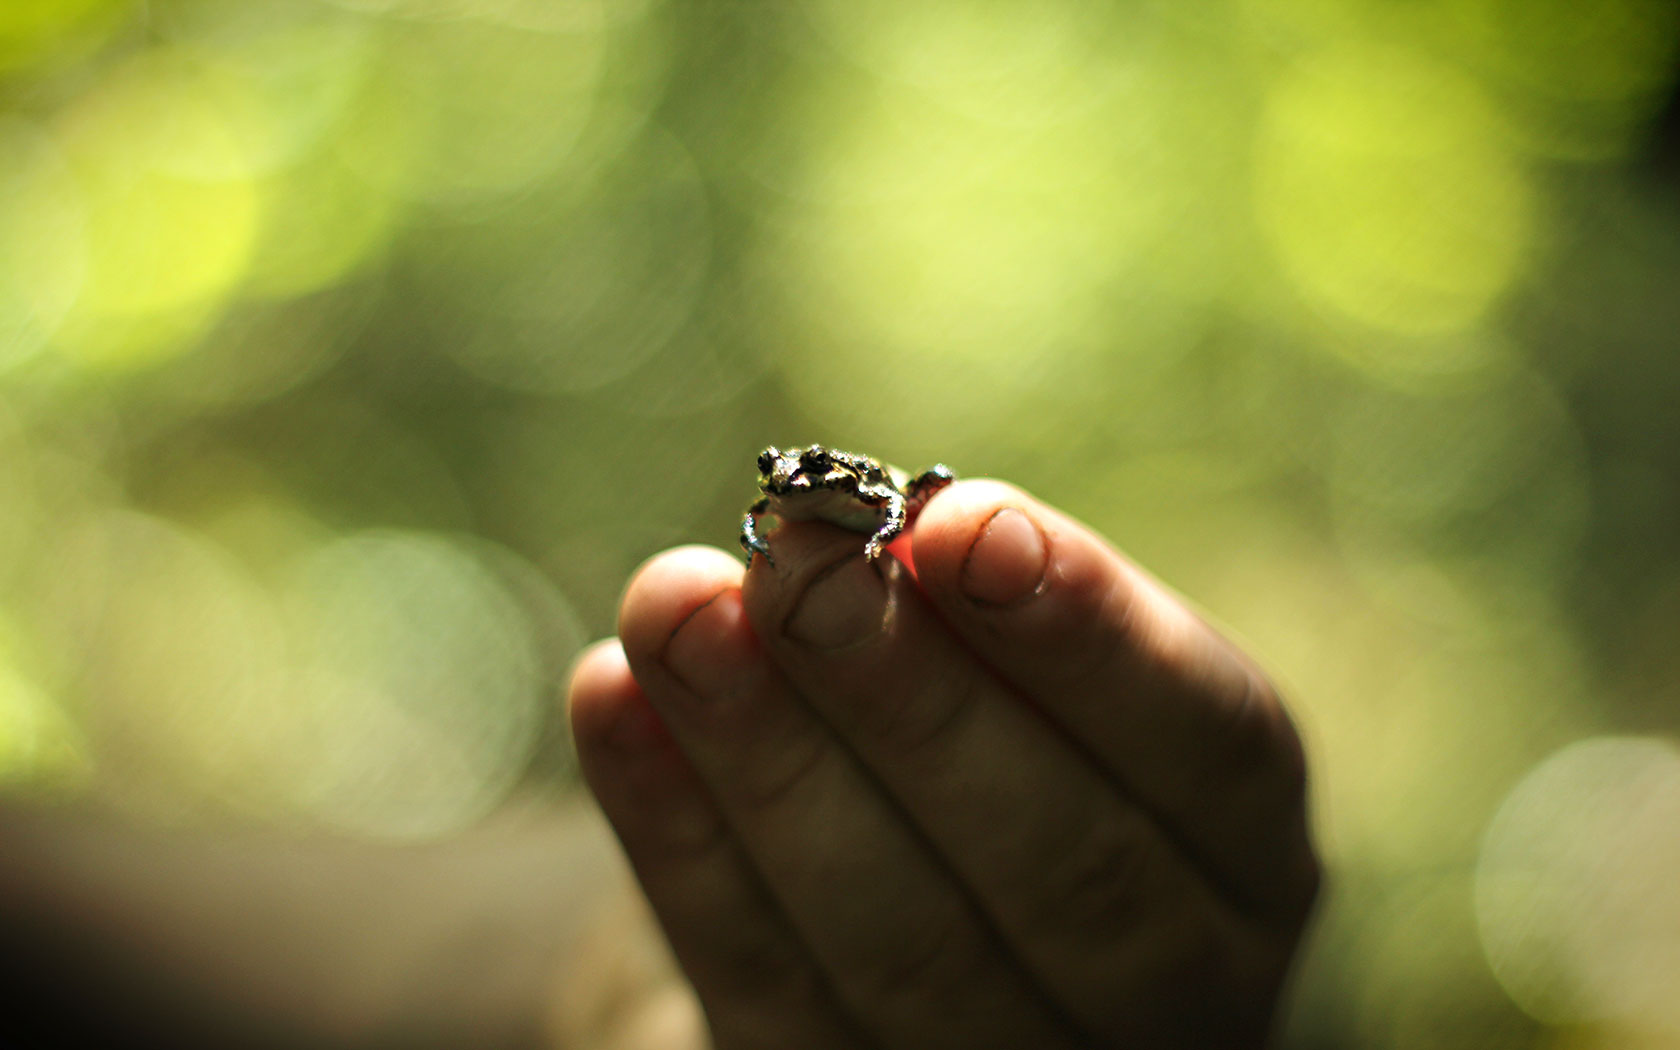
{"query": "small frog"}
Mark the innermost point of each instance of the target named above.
(842, 488)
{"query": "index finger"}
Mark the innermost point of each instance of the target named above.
(1183, 722)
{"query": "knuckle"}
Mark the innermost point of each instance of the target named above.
(765, 964)
(1242, 736)
(1092, 628)
(935, 960)
(1119, 628)
(1094, 887)
(768, 786)
(1252, 739)
(902, 722)
(694, 841)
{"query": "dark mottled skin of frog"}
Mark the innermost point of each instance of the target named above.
(852, 491)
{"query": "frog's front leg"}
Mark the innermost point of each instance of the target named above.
(926, 485)
(890, 528)
(751, 542)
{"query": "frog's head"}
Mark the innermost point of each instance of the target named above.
(784, 472)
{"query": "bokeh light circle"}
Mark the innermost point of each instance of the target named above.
(1576, 895)
(995, 268)
(296, 69)
(41, 746)
(601, 282)
(1386, 190)
(418, 684)
(461, 112)
(43, 246)
(1019, 62)
(163, 154)
(171, 652)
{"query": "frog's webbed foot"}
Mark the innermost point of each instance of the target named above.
(751, 541)
(889, 530)
(926, 485)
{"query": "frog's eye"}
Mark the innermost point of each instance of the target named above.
(767, 459)
(815, 461)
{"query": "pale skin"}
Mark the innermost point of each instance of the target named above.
(1016, 796)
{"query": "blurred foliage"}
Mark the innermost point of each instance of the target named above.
(352, 353)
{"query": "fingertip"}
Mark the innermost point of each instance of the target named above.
(804, 549)
(954, 521)
(599, 673)
(1007, 559)
(604, 704)
(666, 590)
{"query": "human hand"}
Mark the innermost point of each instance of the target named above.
(1014, 796)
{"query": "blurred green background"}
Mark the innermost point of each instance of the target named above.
(353, 353)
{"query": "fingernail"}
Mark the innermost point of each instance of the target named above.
(708, 650)
(845, 605)
(1006, 562)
